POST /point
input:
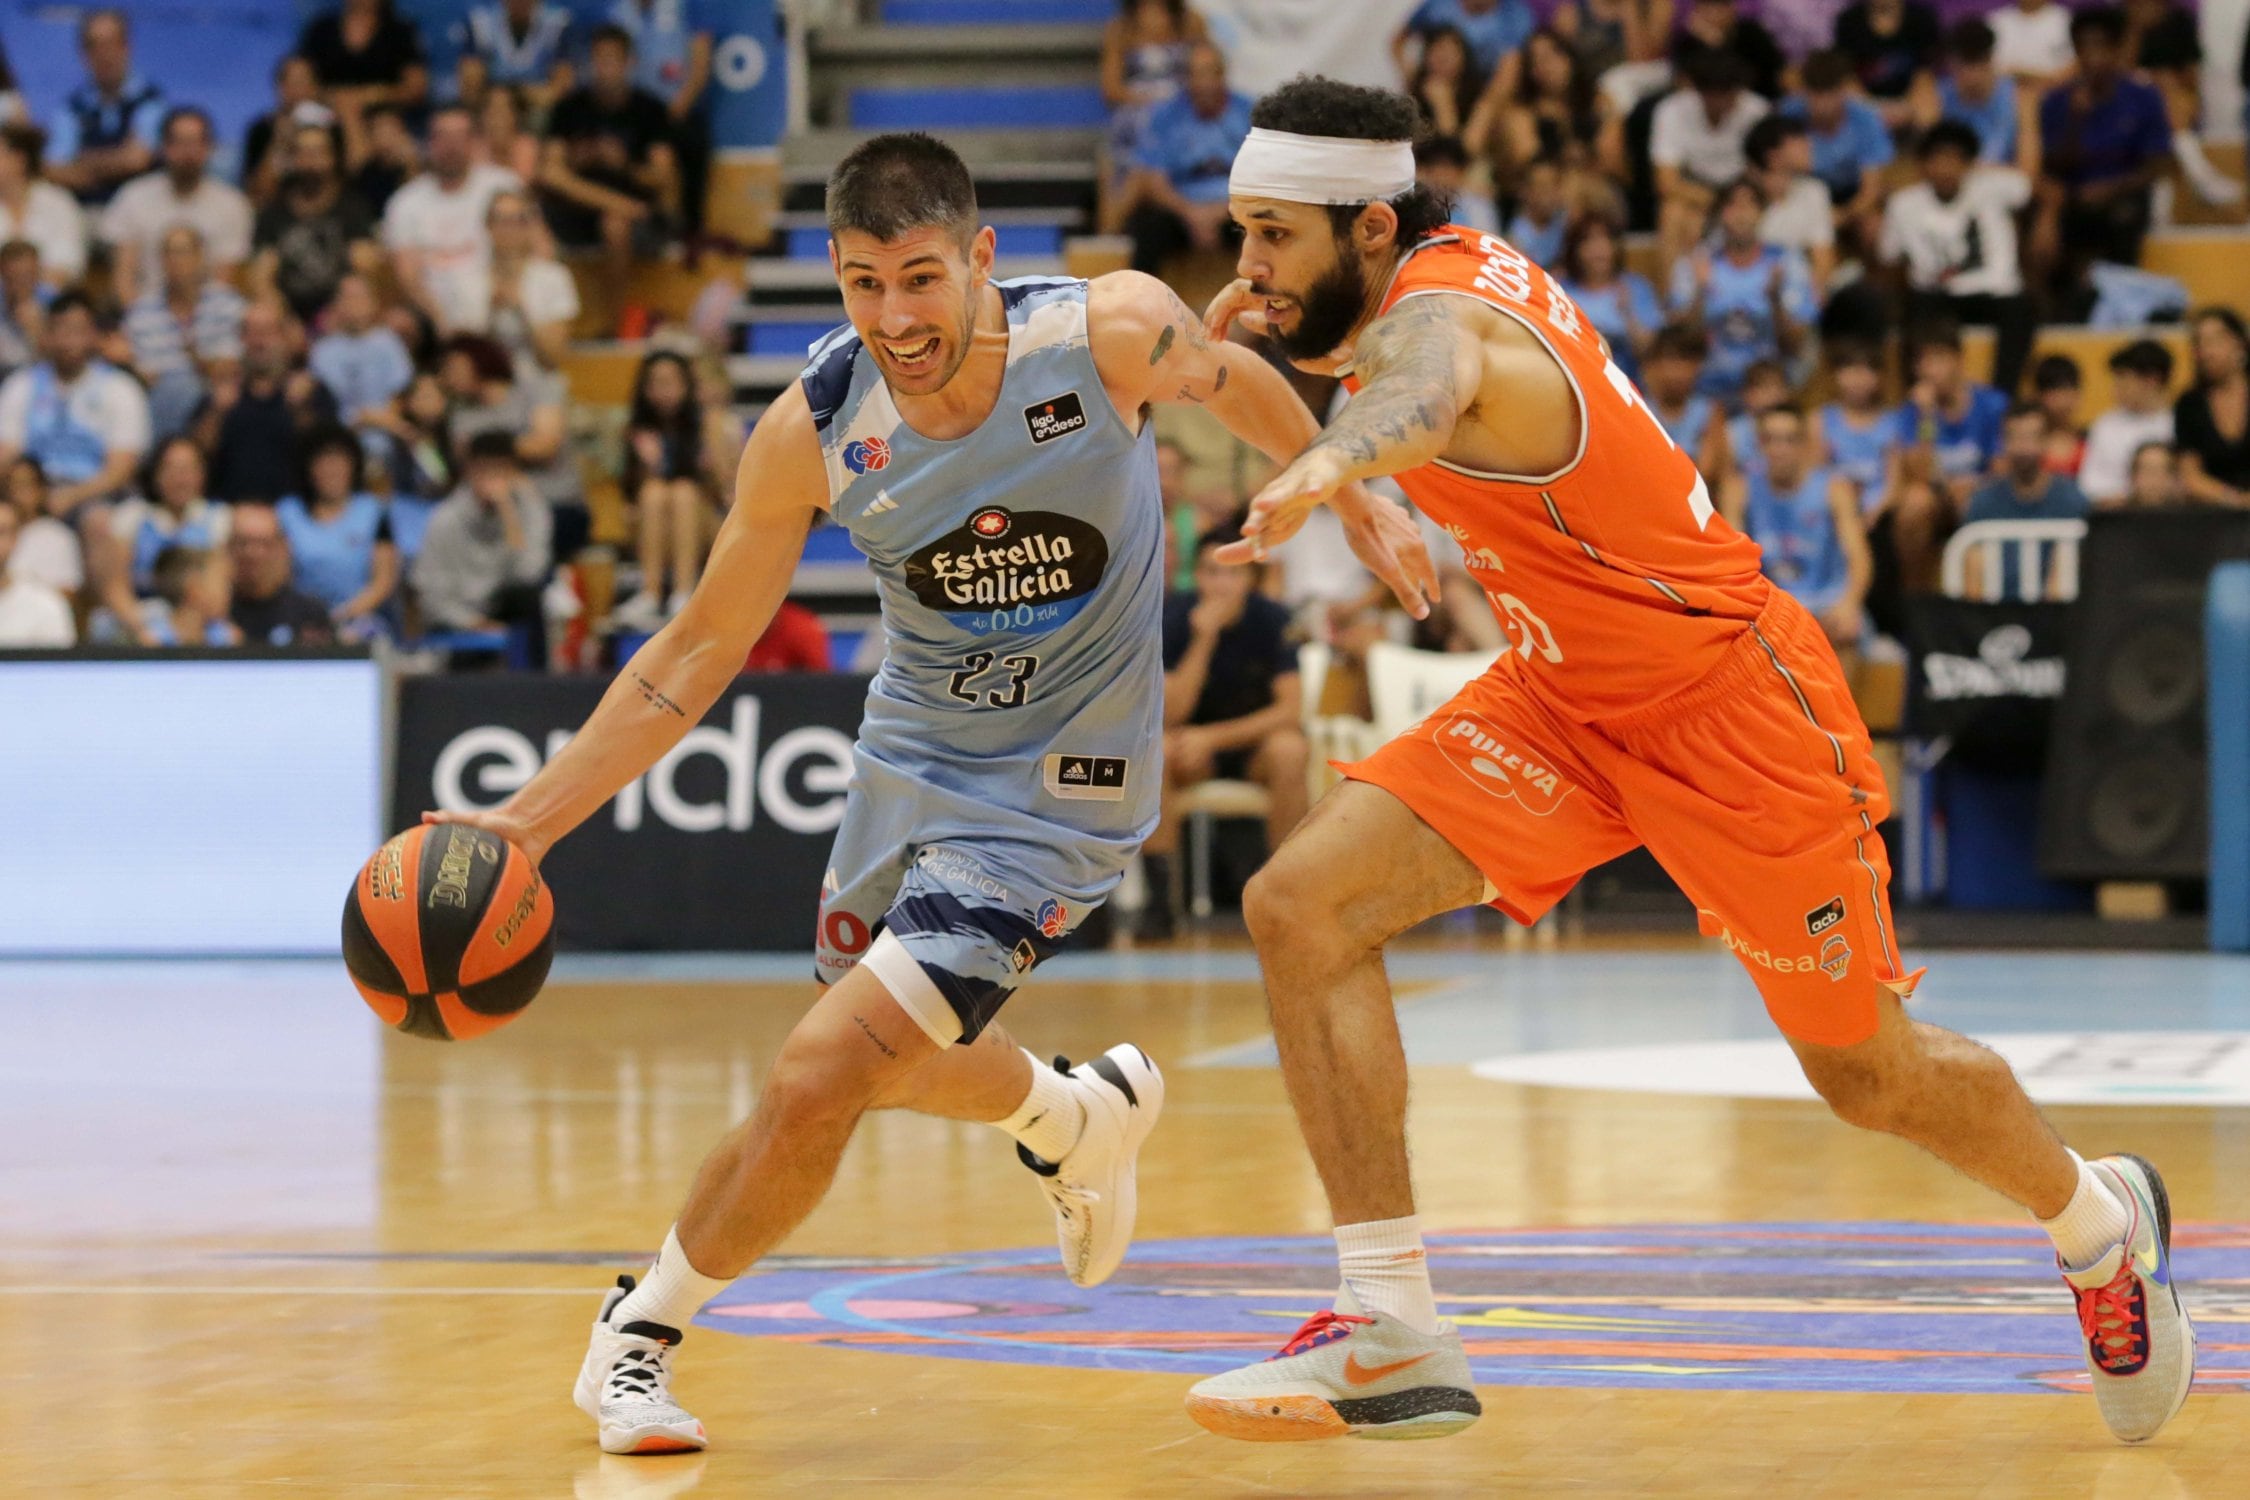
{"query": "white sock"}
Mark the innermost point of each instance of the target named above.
(1051, 1117)
(2091, 1225)
(672, 1293)
(1388, 1271)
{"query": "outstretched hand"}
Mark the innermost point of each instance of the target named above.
(500, 821)
(1381, 535)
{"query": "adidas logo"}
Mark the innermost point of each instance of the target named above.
(882, 502)
(1075, 770)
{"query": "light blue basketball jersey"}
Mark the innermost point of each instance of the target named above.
(1017, 719)
(1797, 532)
(1861, 454)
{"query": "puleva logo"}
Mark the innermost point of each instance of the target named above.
(867, 455)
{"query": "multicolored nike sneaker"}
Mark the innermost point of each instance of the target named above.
(1345, 1373)
(2140, 1347)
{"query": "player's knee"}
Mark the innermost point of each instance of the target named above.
(814, 1088)
(1858, 1090)
(1290, 905)
(1286, 752)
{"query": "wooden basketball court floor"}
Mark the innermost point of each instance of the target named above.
(251, 1245)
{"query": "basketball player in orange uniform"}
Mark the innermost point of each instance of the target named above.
(1659, 692)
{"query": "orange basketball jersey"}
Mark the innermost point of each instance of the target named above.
(1616, 581)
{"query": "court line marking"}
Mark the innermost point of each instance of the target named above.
(236, 1290)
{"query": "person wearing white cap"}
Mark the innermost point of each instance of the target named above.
(1655, 690)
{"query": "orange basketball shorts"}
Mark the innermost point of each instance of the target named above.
(1756, 788)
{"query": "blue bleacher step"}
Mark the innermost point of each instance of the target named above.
(1014, 239)
(998, 12)
(784, 338)
(1059, 107)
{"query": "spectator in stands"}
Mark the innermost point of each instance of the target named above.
(182, 191)
(315, 231)
(530, 406)
(669, 485)
(1856, 427)
(1178, 196)
(1805, 516)
(2031, 41)
(1442, 164)
(38, 212)
(1542, 218)
(251, 424)
(672, 42)
(508, 140)
(434, 227)
(1695, 145)
(193, 598)
(2024, 490)
(32, 615)
(1143, 65)
(1799, 215)
(1717, 28)
(1765, 385)
(1975, 93)
(2103, 138)
(420, 452)
(2211, 419)
(1607, 34)
(1945, 442)
(172, 510)
(522, 299)
(1851, 144)
(2156, 477)
(393, 158)
(1231, 708)
(724, 434)
(266, 145)
(47, 549)
(364, 54)
(339, 537)
(2058, 385)
(1753, 300)
(1455, 97)
(1620, 303)
(2140, 381)
(85, 420)
(265, 610)
(23, 305)
(607, 174)
(523, 44)
(181, 329)
(1494, 29)
(106, 131)
(1672, 379)
(485, 554)
(1953, 236)
(2162, 40)
(1894, 45)
(359, 359)
(1554, 111)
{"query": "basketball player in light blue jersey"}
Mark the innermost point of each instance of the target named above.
(1805, 518)
(987, 444)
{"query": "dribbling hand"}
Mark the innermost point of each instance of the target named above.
(500, 821)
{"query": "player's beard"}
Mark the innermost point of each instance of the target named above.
(1328, 309)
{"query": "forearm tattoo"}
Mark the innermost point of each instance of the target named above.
(1408, 391)
(655, 698)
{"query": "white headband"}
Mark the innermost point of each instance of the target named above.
(1327, 169)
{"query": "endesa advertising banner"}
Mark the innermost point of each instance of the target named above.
(720, 845)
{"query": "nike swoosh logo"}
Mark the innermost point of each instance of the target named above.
(1359, 1374)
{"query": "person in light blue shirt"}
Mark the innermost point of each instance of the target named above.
(522, 43)
(1754, 300)
(1856, 429)
(1620, 303)
(1542, 217)
(1765, 385)
(360, 359)
(339, 536)
(2025, 489)
(1805, 519)
(108, 127)
(1670, 372)
(1179, 188)
(1980, 96)
(1850, 143)
(1495, 29)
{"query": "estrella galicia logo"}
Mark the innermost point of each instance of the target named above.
(1818, 922)
(1054, 418)
(1023, 571)
(867, 455)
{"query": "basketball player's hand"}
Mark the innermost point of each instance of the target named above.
(1236, 303)
(1385, 539)
(500, 821)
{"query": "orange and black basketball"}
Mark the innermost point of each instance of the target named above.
(448, 932)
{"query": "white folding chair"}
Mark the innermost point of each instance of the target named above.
(1405, 686)
(1990, 542)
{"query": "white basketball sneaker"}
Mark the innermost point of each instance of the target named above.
(1093, 1189)
(2140, 1347)
(1346, 1373)
(625, 1385)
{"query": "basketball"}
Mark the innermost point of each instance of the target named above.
(448, 932)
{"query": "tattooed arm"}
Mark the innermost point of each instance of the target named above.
(1151, 350)
(673, 680)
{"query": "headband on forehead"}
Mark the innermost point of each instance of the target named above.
(1325, 169)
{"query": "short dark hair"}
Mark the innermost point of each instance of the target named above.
(491, 447)
(1970, 41)
(1949, 135)
(2019, 409)
(1769, 135)
(179, 112)
(1716, 72)
(1311, 105)
(1441, 151)
(171, 572)
(2055, 372)
(1863, 352)
(1827, 69)
(71, 300)
(2105, 21)
(329, 437)
(17, 250)
(1764, 369)
(450, 107)
(1680, 341)
(1789, 409)
(27, 141)
(893, 184)
(610, 31)
(1933, 333)
(2143, 357)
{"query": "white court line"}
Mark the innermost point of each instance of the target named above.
(236, 1290)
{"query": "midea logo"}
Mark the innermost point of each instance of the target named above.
(479, 767)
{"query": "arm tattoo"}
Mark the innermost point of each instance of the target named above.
(1163, 345)
(880, 1045)
(655, 698)
(1408, 392)
(1220, 383)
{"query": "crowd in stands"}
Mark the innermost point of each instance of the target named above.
(317, 398)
